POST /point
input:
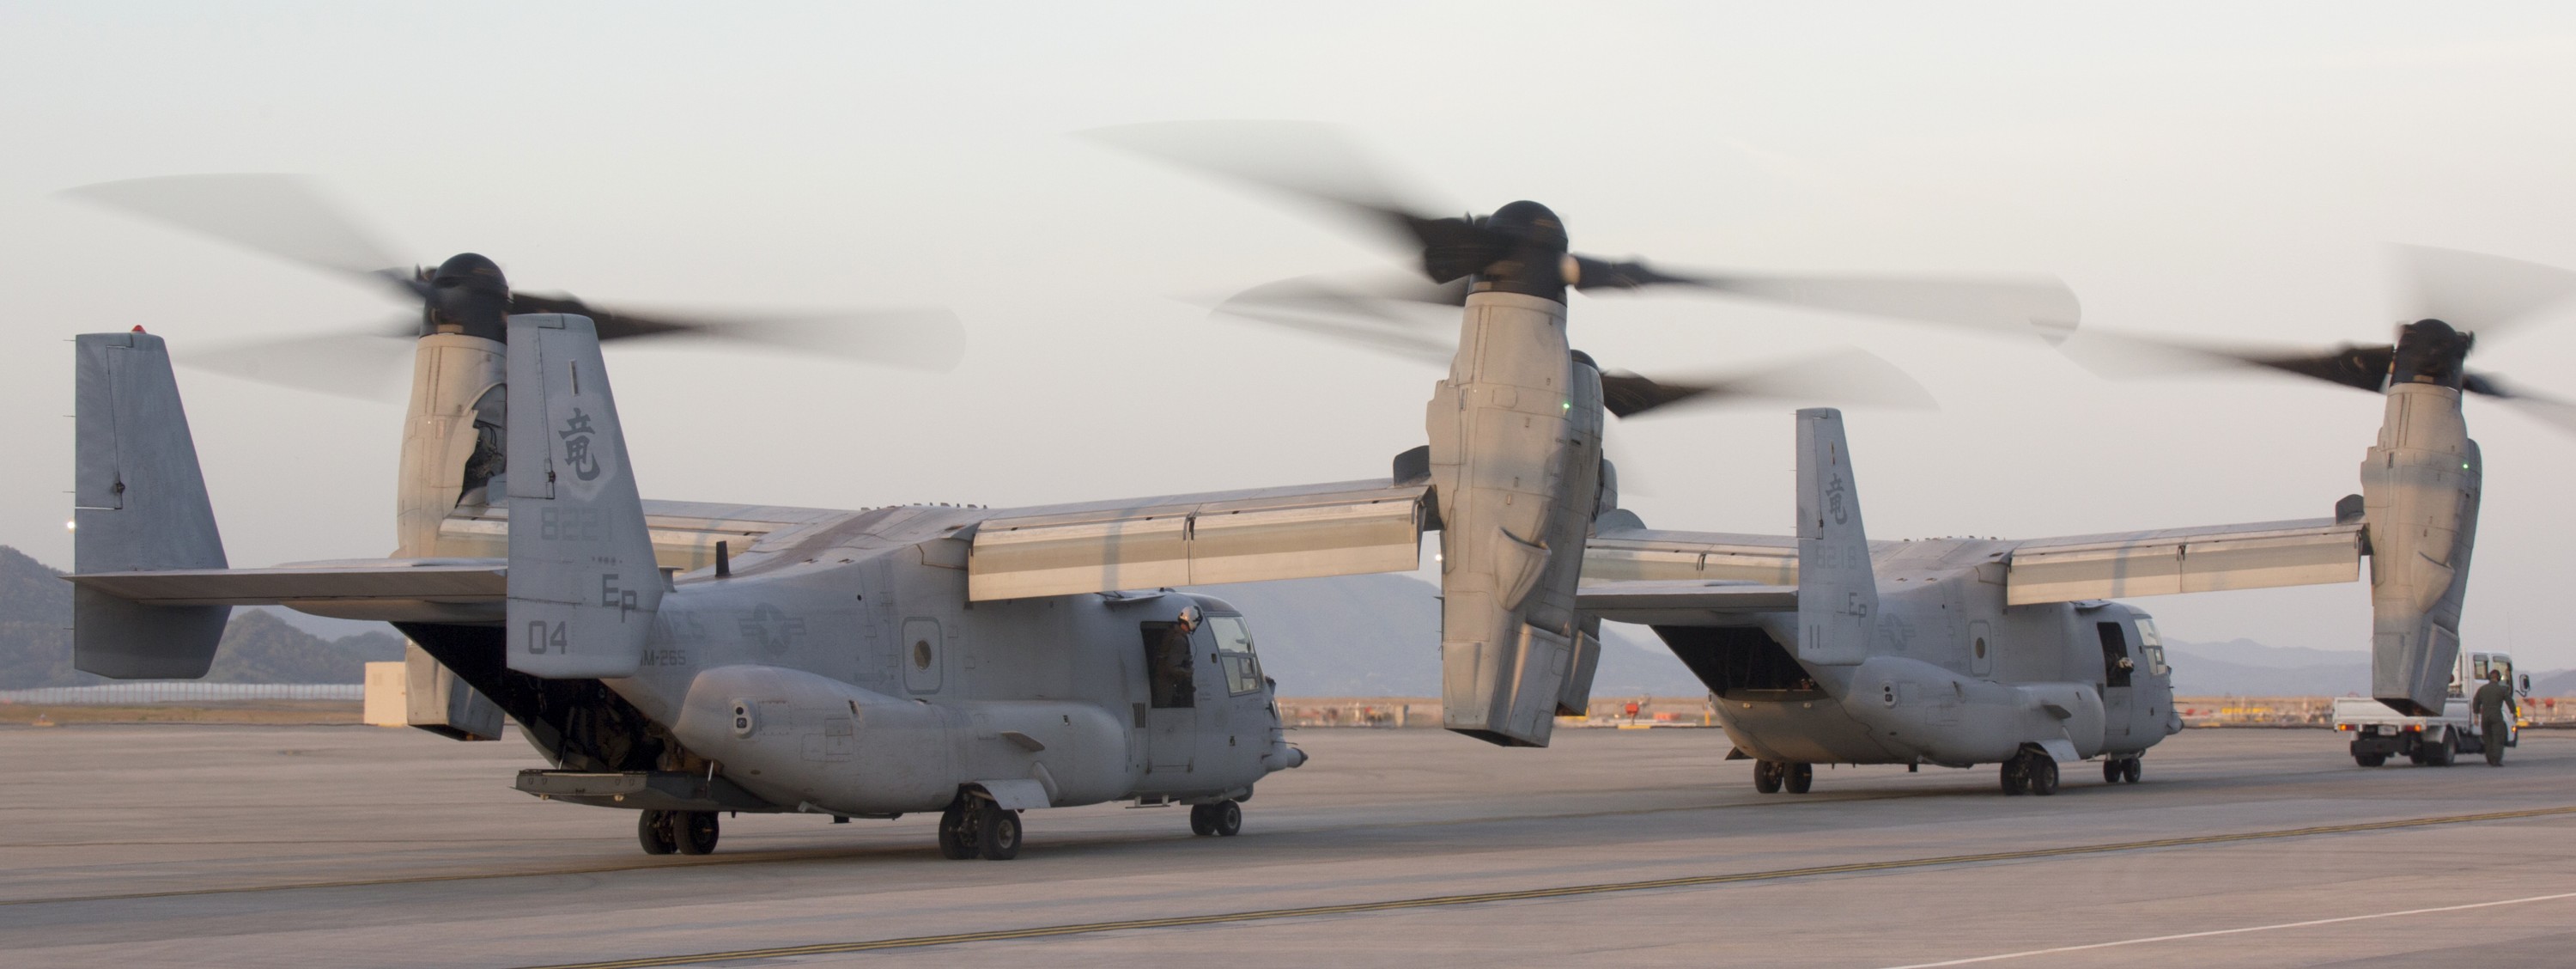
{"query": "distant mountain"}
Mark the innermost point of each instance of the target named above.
(258, 647)
(2554, 683)
(2243, 667)
(1378, 635)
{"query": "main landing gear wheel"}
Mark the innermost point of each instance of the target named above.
(2030, 773)
(997, 832)
(695, 831)
(956, 832)
(1766, 776)
(653, 828)
(2132, 769)
(1223, 819)
(2042, 773)
(1801, 777)
(2111, 772)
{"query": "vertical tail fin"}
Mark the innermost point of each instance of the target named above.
(140, 503)
(583, 584)
(1837, 591)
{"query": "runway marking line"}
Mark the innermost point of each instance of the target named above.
(1565, 891)
(1971, 960)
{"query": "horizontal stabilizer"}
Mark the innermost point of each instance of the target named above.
(1683, 603)
(1629, 555)
(389, 590)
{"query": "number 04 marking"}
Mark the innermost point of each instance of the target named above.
(542, 634)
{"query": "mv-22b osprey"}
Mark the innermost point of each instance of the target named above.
(971, 661)
(1824, 647)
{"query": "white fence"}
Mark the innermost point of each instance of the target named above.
(181, 691)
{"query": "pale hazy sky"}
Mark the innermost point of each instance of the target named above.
(2219, 169)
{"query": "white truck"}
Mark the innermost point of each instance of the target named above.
(2379, 732)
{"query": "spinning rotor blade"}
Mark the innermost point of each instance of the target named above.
(1321, 164)
(2039, 305)
(361, 363)
(2549, 410)
(1379, 311)
(290, 217)
(285, 216)
(1843, 377)
(2112, 354)
(1313, 162)
(2479, 293)
(917, 339)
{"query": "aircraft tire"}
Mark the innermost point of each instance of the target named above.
(1200, 823)
(653, 829)
(1766, 777)
(997, 832)
(2132, 769)
(2111, 772)
(2016, 776)
(1225, 818)
(1799, 779)
(695, 831)
(956, 838)
(2043, 775)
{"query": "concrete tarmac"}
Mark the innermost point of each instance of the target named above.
(356, 846)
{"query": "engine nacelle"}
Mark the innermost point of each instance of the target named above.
(1515, 465)
(2419, 488)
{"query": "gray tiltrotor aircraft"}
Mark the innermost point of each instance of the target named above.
(688, 659)
(1824, 647)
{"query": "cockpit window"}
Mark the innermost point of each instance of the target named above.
(2153, 646)
(1234, 649)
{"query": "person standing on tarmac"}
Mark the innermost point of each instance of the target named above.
(2491, 703)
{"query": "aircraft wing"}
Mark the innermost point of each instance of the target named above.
(1299, 532)
(1682, 602)
(391, 590)
(2211, 558)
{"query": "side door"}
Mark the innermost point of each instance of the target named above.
(1171, 699)
(2118, 700)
